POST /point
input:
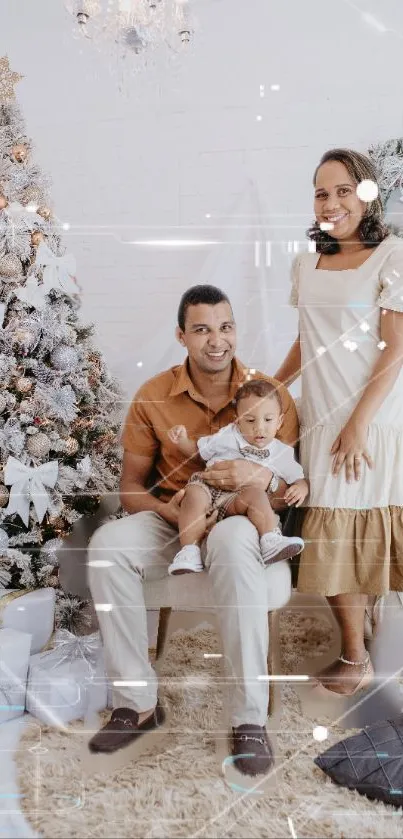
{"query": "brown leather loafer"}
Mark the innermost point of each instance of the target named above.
(251, 749)
(123, 728)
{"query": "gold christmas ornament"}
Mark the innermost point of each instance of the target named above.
(31, 195)
(38, 445)
(8, 80)
(3, 202)
(26, 406)
(36, 238)
(24, 384)
(45, 212)
(3, 496)
(71, 445)
(56, 521)
(24, 338)
(20, 152)
(10, 266)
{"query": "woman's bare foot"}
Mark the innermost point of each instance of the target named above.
(343, 678)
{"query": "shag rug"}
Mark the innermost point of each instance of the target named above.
(180, 793)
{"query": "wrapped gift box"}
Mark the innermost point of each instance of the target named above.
(32, 612)
(15, 648)
(67, 682)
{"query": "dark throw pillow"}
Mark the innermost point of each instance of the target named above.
(370, 762)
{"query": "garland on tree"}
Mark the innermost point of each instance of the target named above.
(60, 410)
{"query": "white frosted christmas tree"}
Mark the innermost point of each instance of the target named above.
(59, 406)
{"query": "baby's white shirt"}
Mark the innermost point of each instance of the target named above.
(229, 443)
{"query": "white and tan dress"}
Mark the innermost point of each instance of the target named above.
(353, 532)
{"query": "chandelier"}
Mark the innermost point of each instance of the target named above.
(135, 27)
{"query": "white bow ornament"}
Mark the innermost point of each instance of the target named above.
(32, 293)
(28, 484)
(59, 271)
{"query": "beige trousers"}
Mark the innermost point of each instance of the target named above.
(141, 547)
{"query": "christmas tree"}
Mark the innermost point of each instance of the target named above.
(59, 406)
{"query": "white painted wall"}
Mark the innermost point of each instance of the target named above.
(151, 161)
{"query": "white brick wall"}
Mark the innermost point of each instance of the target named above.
(151, 162)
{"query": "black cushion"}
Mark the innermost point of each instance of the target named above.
(370, 762)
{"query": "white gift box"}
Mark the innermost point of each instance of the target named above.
(15, 648)
(32, 612)
(67, 682)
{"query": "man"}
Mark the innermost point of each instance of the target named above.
(125, 552)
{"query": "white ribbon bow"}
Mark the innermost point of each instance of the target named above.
(59, 271)
(32, 293)
(28, 484)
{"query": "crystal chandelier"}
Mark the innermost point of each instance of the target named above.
(134, 26)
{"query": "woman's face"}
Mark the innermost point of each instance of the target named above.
(336, 200)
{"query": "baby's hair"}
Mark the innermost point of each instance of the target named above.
(260, 388)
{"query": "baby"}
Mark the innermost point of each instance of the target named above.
(252, 435)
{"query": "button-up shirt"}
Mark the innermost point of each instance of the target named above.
(169, 399)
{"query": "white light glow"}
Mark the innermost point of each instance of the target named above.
(31, 208)
(350, 345)
(382, 345)
(283, 678)
(312, 247)
(100, 563)
(320, 733)
(66, 225)
(212, 655)
(129, 683)
(259, 118)
(364, 326)
(275, 87)
(367, 190)
(374, 22)
(172, 243)
(208, 215)
(103, 607)
(320, 350)
(139, 364)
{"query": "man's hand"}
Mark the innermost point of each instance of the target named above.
(170, 510)
(296, 493)
(233, 474)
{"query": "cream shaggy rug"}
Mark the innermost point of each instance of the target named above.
(180, 793)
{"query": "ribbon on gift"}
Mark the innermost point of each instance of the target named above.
(58, 271)
(28, 485)
(71, 648)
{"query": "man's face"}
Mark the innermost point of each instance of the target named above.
(209, 336)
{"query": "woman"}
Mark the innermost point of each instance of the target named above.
(349, 354)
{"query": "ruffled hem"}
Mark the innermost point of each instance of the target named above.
(351, 551)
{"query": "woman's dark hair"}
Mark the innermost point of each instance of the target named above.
(257, 387)
(199, 294)
(372, 229)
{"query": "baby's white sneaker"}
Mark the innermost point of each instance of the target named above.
(187, 561)
(275, 547)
